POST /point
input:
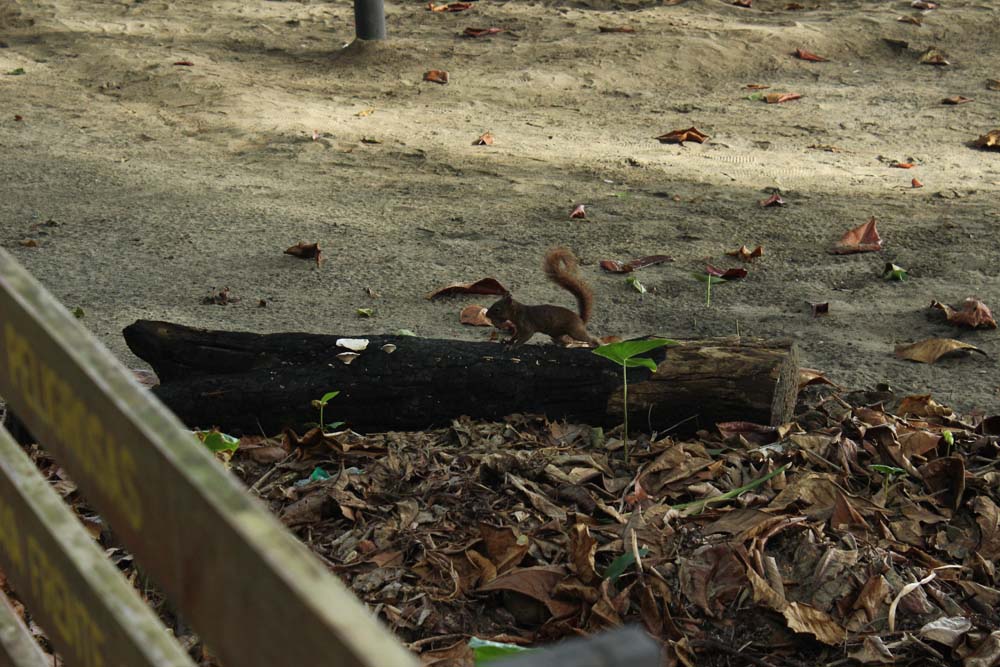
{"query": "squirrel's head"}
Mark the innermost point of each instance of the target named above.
(500, 311)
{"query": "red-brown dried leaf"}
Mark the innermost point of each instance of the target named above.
(933, 56)
(902, 165)
(579, 211)
(757, 86)
(745, 254)
(474, 315)
(743, 3)
(482, 32)
(863, 238)
(485, 139)
(916, 184)
(913, 20)
(615, 28)
(680, 136)
(306, 251)
(436, 76)
(973, 314)
(773, 200)
(614, 266)
(481, 286)
(802, 54)
(779, 98)
(728, 274)
(794, 6)
(957, 99)
(184, 63)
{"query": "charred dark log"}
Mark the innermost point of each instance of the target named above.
(245, 382)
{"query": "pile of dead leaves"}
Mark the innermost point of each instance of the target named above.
(873, 541)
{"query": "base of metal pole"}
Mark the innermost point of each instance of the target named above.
(369, 19)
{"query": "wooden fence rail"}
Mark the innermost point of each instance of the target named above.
(253, 592)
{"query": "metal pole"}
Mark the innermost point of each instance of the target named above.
(369, 19)
(625, 647)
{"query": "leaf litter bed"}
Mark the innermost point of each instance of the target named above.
(866, 532)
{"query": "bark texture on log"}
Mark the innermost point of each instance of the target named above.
(245, 382)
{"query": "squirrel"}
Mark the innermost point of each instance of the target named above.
(562, 324)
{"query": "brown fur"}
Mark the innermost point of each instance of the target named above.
(558, 322)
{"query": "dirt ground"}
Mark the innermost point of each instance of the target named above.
(148, 184)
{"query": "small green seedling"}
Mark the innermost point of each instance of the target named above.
(16, 72)
(636, 285)
(888, 474)
(484, 651)
(729, 495)
(320, 404)
(709, 280)
(894, 272)
(625, 353)
(949, 439)
(622, 563)
(216, 441)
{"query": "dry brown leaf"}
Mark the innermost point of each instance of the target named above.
(863, 238)
(306, 251)
(989, 140)
(745, 254)
(582, 547)
(436, 76)
(616, 28)
(474, 315)
(915, 183)
(773, 200)
(933, 56)
(957, 99)
(756, 86)
(28, 243)
(779, 98)
(485, 139)
(930, 350)
(615, 266)
(973, 314)
(579, 211)
(537, 583)
(481, 286)
(808, 376)
(922, 406)
(802, 54)
(481, 32)
(803, 618)
(993, 84)
(913, 20)
(680, 136)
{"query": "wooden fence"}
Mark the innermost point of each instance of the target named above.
(253, 592)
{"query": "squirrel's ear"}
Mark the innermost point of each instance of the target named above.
(507, 296)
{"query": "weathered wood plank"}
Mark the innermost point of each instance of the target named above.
(17, 647)
(88, 610)
(242, 580)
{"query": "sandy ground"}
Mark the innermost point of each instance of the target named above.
(149, 185)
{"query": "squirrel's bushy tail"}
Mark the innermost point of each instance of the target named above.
(560, 266)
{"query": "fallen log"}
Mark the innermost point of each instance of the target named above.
(248, 383)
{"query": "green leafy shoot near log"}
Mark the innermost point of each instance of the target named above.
(624, 353)
(319, 404)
